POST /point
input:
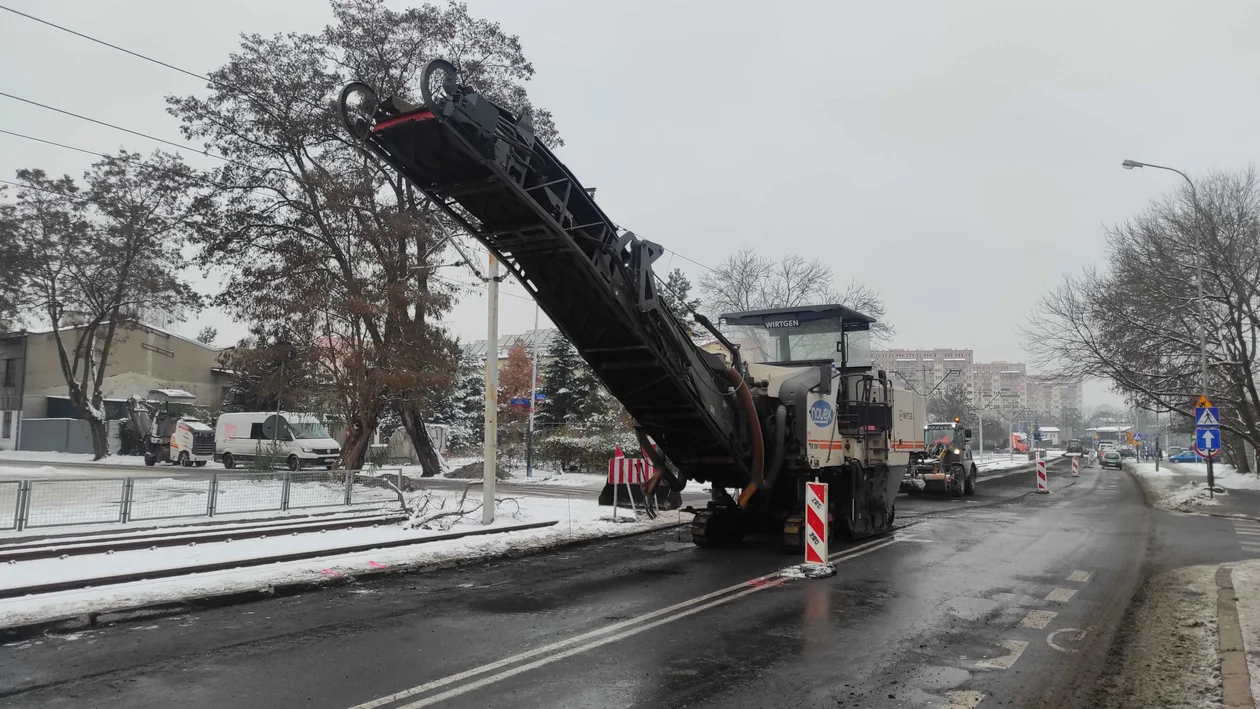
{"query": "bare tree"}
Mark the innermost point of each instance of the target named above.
(1137, 321)
(91, 257)
(747, 280)
(312, 223)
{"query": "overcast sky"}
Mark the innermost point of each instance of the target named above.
(961, 157)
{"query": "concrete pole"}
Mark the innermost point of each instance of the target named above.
(533, 397)
(492, 394)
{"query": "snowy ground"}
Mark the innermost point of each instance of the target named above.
(1167, 646)
(1246, 576)
(1183, 486)
(577, 519)
(67, 458)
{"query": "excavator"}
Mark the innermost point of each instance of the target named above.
(791, 397)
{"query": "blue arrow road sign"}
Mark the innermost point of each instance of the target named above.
(1207, 441)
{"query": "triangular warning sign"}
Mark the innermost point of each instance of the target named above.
(1203, 403)
(1207, 419)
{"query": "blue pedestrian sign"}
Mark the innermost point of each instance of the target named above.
(1207, 417)
(1207, 441)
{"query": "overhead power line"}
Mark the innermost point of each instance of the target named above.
(119, 128)
(107, 44)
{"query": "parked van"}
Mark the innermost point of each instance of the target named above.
(300, 440)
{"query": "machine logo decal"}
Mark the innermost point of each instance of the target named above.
(782, 323)
(821, 413)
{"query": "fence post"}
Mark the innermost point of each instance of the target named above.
(212, 495)
(284, 493)
(349, 485)
(23, 505)
(124, 509)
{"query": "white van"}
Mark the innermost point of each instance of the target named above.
(301, 441)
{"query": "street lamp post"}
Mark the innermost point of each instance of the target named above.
(1198, 267)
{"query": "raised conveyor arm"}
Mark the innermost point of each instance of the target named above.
(485, 168)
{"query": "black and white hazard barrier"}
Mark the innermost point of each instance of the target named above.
(816, 523)
(1076, 466)
(1041, 477)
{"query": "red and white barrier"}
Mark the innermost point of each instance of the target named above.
(1041, 476)
(1076, 467)
(816, 523)
(631, 471)
(628, 471)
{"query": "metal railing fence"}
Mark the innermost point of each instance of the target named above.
(60, 502)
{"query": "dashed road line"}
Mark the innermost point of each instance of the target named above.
(1015, 648)
(1037, 620)
(1061, 595)
(963, 699)
(1081, 576)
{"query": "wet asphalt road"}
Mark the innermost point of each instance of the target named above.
(1003, 599)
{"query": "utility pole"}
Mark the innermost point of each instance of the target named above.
(1198, 267)
(533, 398)
(492, 394)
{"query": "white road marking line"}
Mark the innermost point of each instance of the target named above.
(1061, 595)
(1078, 633)
(1246, 530)
(1081, 576)
(1016, 648)
(750, 586)
(1038, 619)
(963, 699)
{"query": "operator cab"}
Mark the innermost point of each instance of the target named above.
(943, 437)
(812, 334)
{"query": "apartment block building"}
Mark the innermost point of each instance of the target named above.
(997, 385)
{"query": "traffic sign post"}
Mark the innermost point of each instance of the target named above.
(1207, 437)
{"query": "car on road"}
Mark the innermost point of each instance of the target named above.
(1110, 458)
(1074, 447)
(1185, 457)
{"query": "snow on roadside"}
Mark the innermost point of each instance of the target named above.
(68, 458)
(1246, 577)
(577, 519)
(1168, 489)
(1229, 478)
(553, 479)
(1166, 647)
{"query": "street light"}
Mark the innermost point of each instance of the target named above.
(1198, 265)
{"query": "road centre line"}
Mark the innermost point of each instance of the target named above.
(966, 699)
(722, 596)
(1015, 647)
(1061, 595)
(1038, 620)
(1081, 576)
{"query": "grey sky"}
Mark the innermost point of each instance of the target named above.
(959, 156)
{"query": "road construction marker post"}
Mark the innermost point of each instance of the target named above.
(1041, 477)
(816, 523)
(1076, 466)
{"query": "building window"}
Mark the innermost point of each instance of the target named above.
(10, 373)
(6, 431)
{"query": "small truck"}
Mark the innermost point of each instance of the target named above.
(945, 463)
